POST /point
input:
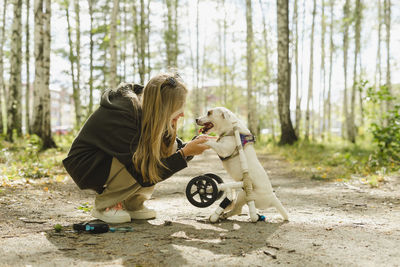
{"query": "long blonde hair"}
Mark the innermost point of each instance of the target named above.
(163, 96)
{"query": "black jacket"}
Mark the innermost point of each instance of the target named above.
(113, 130)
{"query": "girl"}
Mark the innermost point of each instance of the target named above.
(129, 144)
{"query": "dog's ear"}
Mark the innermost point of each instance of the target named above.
(225, 115)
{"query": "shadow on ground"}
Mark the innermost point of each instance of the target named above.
(158, 244)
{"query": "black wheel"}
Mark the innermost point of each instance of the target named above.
(202, 191)
(218, 180)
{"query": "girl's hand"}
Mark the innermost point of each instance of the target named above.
(196, 146)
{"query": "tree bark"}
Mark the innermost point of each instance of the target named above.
(27, 59)
(251, 105)
(352, 127)
(322, 107)
(78, 45)
(76, 93)
(148, 55)
(225, 66)
(270, 104)
(296, 58)
(331, 50)
(42, 123)
(113, 45)
(288, 135)
(125, 37)
(91, 45)
(142, 42)
(197, 89)
(378, 70)
(2, 86)
(346, 18)
(168, 34)
(311, 75)
(14, 114)
(387, 8)
(135, 35)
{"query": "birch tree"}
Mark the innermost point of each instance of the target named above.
(135, 38)
(124, 40)
(113, 45)
(41, 117)
(346, 22)
(251, 107)
(270, 105)
(27, 63)
(224, 61)
(378, 69)
(171, 34)
(387, 11)
(78, 46)
(357, 44)
(142, 42)
(288, 135)
(310, 74)
(76, 93)
(331, 50)
(14, 114)
(91, 46)
(322, 109)
(296, 60)
(2, 86)
(196, 112)
(147, 27)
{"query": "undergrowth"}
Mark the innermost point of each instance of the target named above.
(338, 161)
(24, 158)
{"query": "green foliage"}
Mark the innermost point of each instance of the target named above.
(24, 158)
(337, 161)
(85, 207)
(385, 128)
(58, 227)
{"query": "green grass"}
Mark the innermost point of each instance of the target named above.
(338, 161)
(24, 159)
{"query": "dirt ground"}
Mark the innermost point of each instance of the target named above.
(331, 224)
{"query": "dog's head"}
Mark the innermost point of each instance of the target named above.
(219, 120)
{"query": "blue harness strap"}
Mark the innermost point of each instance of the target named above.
(245, 139)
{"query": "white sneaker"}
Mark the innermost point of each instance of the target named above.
(111, 215)
(143, 214)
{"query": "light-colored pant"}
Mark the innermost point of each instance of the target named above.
(122, 187)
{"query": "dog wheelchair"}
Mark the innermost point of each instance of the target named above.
(202, 191)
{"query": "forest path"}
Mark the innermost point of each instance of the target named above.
(331, 224)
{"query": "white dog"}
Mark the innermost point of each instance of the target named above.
(219, 120)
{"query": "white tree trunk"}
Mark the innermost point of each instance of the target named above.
(352, 126)
(2, 86)
(387, 7)
(14, 114)
(251, 103)
(27, 59)
(41, 122)
(113, 45)
(78, 45)
(331, 48)
(91, 46)
(345, 126)
(311, 75)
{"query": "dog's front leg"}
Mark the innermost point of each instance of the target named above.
(224, 148)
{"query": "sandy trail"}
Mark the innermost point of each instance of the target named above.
(331, 224)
